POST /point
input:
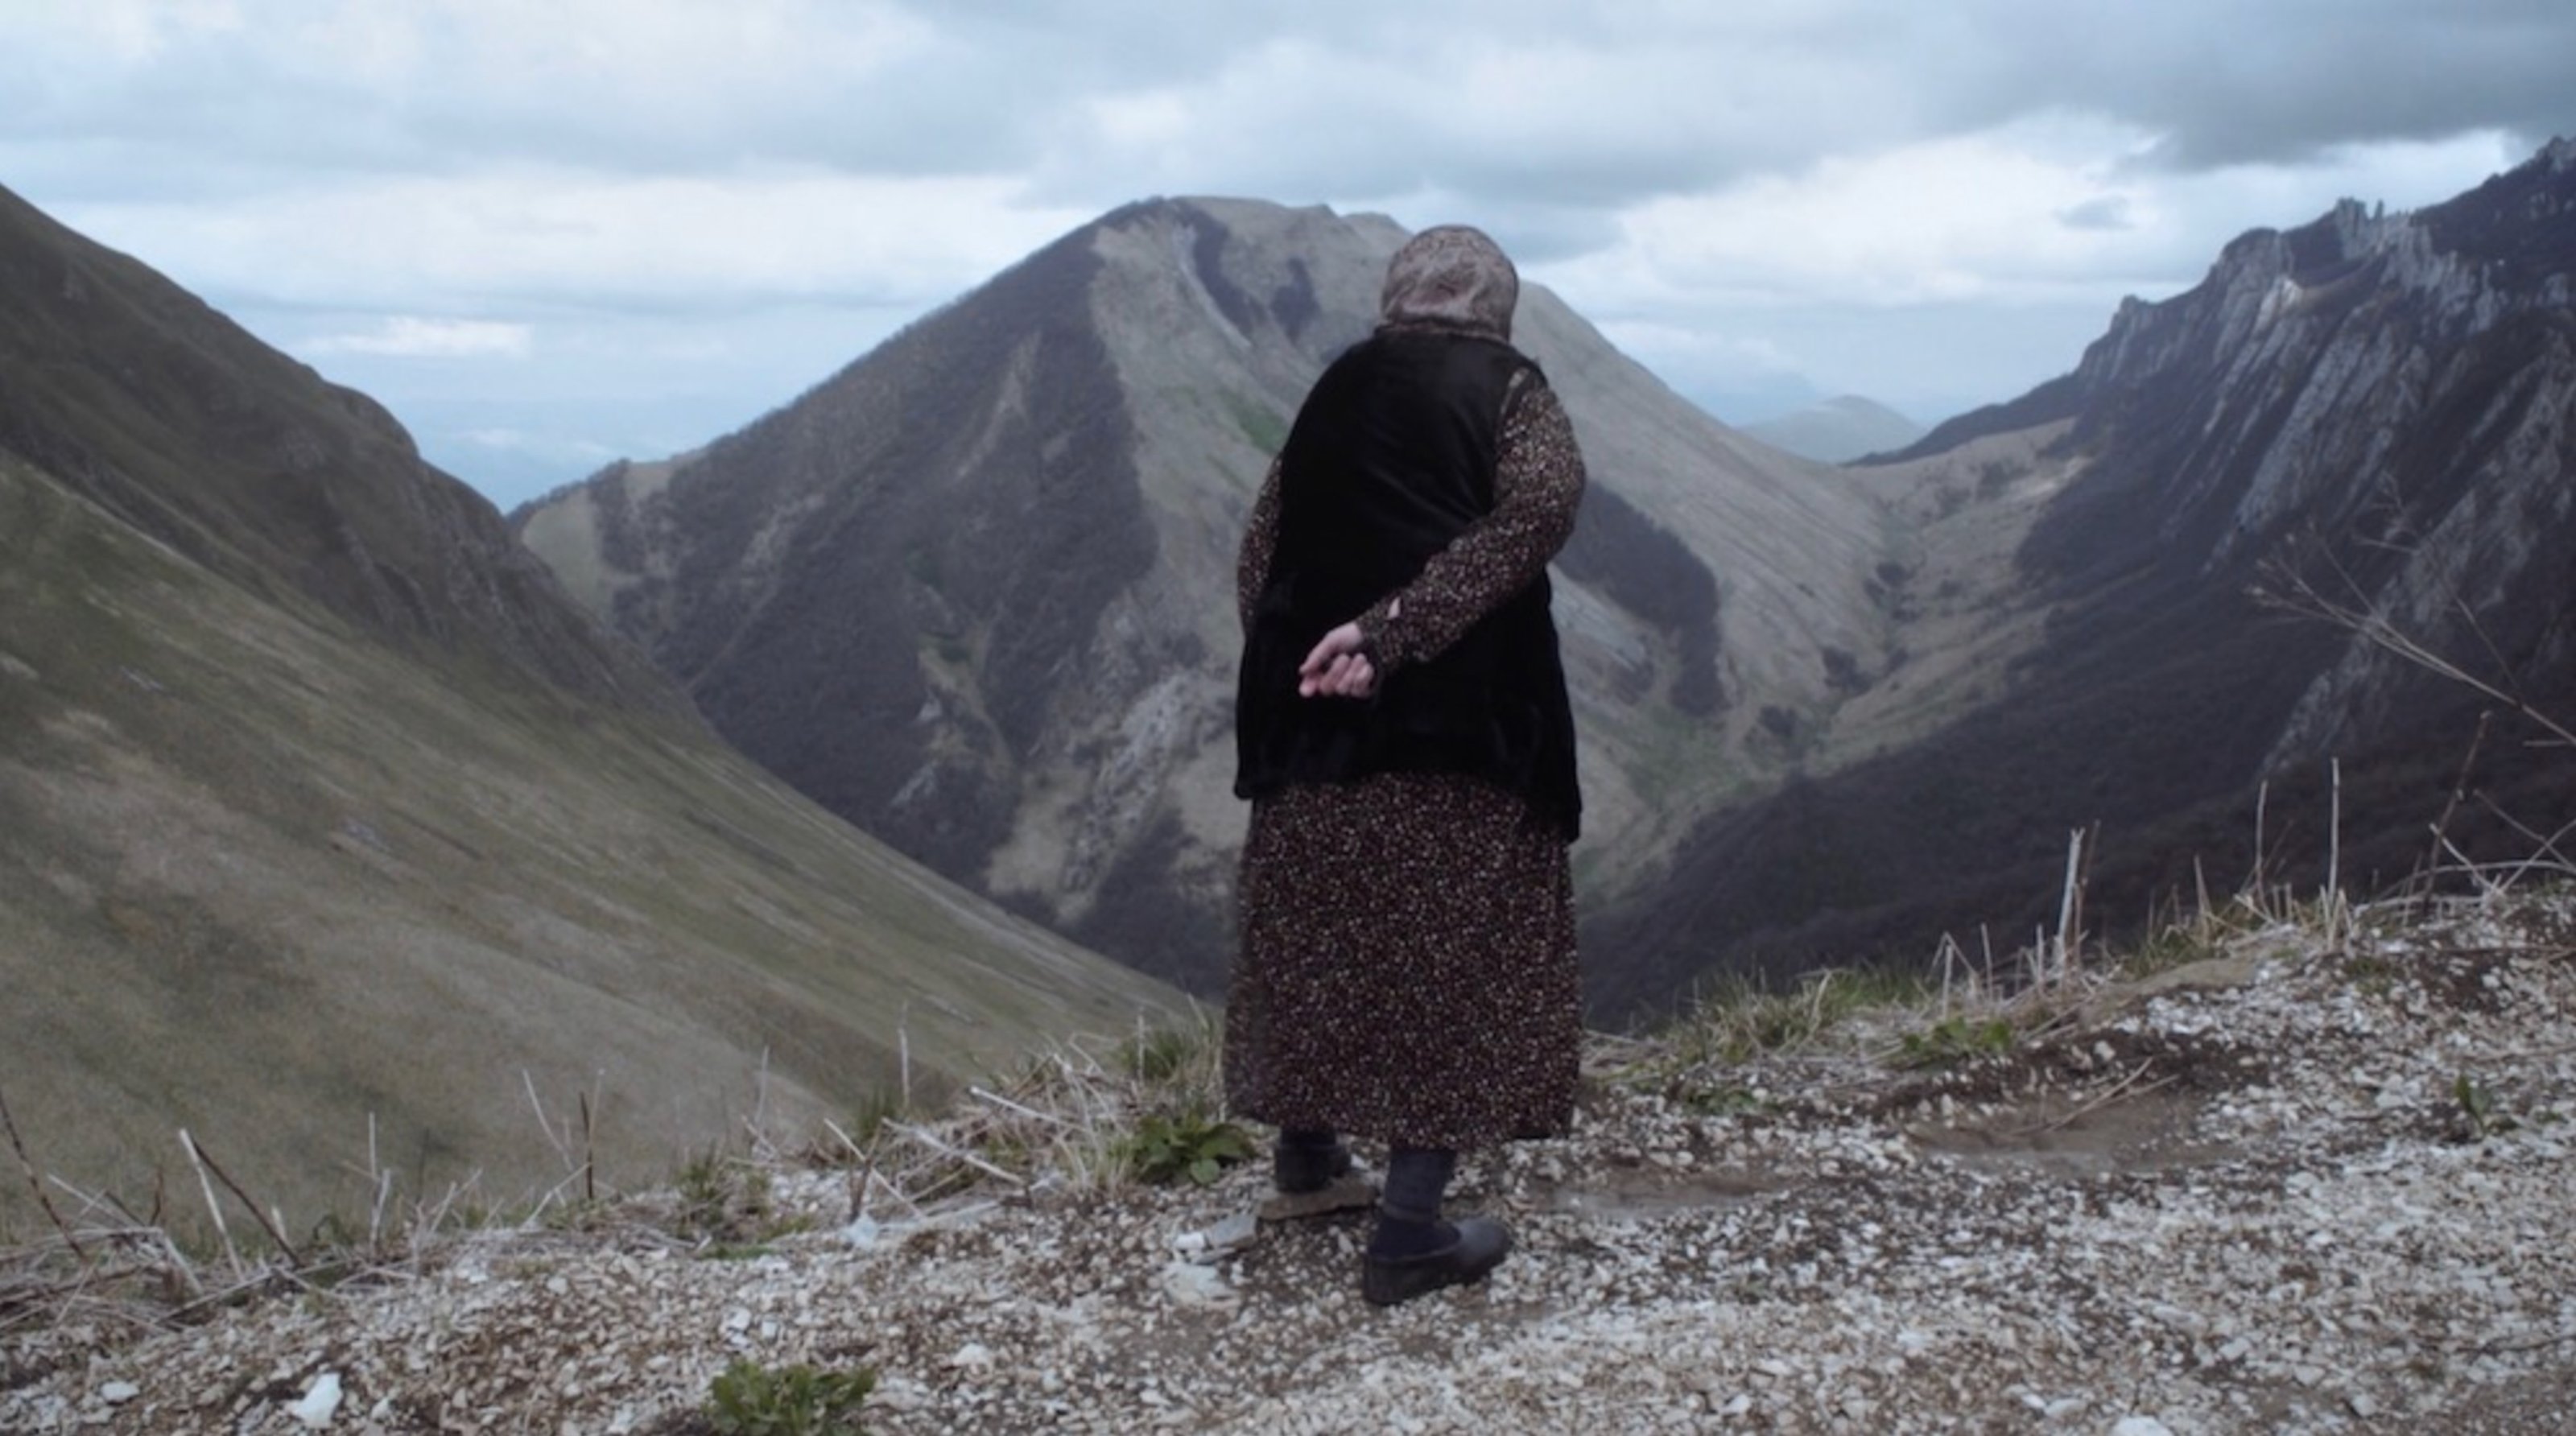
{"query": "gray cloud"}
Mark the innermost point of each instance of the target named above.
(1844, 188)
(2232, 83)
(1514, 103)
(2107, 212)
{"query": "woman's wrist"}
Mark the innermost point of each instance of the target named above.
(1380, 633)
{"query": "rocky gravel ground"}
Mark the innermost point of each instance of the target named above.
(2308, 1181)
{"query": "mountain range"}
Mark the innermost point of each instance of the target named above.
(357, 839)
(973, 592)
(333, 833)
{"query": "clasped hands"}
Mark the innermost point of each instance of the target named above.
(1339, 666)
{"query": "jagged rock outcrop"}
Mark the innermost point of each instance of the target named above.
(2377, 407)
(975, 592)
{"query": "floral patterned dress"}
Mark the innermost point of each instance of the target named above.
(1407, 965)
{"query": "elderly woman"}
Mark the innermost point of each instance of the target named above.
(1407, 968)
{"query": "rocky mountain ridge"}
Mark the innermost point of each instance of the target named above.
(2376, 410)
(1826, 713)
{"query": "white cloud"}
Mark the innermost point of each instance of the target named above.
(584, 239)
(1974, 217)
(407, 336)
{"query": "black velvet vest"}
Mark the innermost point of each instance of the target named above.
(1391, 458)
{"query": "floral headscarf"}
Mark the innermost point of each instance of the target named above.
(1451, 275)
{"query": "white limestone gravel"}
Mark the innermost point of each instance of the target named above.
(2245, 1196)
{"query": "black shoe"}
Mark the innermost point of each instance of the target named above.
(1474, 1247)
(1297, 1168)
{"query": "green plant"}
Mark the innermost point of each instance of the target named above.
(725, 1202)
(1957, 1038)
(1731, 1100)
(2371, 974)
(868, 1120)
(1739, 1018)
(2478, 1103)
(1168, 1148)
(754, 1400)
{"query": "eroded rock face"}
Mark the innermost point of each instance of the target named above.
(2377, 406)
(976, 592)
(2373, 410)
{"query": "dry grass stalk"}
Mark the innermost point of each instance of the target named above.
(1062, 1120)
(2294, 592)
(2117, 1091)
(28, 1166)
(268, 1222)
(2066, 953)
(214, 1208)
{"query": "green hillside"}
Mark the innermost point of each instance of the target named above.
(268, 878)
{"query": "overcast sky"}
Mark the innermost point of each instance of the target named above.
(548, 233)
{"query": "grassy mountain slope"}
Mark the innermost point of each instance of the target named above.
(320, 800)
(264, 878)
(134, 392)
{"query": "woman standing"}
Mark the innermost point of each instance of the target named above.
(1407, 968)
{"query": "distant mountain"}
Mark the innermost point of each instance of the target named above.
(134, 394)
(975, 592)
(2381, 407)
(1838, 430)
(333, 832)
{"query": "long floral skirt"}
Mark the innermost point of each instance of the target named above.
(1407, 968)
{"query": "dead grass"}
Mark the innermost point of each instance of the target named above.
(99, 1272)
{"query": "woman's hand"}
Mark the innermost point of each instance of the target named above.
(1339, 666)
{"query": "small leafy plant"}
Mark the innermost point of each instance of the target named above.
(1169, 1148)
(754, 1400)
(1957, 1039)
(2478, 1104)
(1730, 1100)
(727, 1204)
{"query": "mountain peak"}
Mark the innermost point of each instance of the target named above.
(1035, 496)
